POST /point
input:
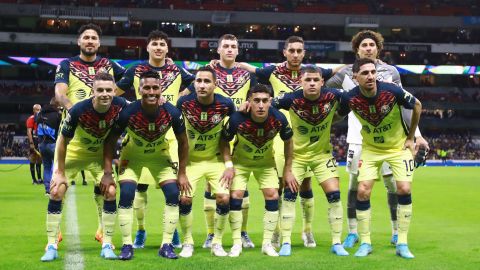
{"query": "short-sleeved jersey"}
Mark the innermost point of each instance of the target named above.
(282, 79)
(172, 77)
(146, 133)
(380, 116)
(254, 141)
(233, 83)
(89, 128)
(30, 123)
(311, 120)
(79, 75)
(204, 125)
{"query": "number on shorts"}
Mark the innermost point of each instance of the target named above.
(409, 165)
(331, 163)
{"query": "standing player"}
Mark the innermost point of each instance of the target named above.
(74, 81)
(377, 105)
(368, 44)
(145, 153)
(286, 78)
(205, 112)
(172, 78)
(311, 112)
(253, 153)
(34, 156)
(80, 146)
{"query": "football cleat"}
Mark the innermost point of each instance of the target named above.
(218, 251)
(140, 238)
(187, 251)
(351, 240)
(246, 241)
(339, 250)
(107, 252)
(286, 250)
(50, 254)
(167, 251)
(404, 252)
(208, 241)
(176, 240)
(308, 240)
(127, 253)
(269, 250)
(364, 250)
(235, 251)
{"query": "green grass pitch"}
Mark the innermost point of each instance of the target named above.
(444, 234)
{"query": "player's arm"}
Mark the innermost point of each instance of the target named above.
(30, 125)
(416, 105)
(61, 95)
(228, 133)
(247, 67)
(108, 154)
(58, 184)
(288, 177)
(183, 182)
(118, 73)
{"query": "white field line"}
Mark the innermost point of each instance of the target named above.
(73, 257)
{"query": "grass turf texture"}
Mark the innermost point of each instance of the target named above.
(444, 233)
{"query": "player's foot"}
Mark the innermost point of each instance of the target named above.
(72, 183)
(107, 252)
(308, 240)
(176, 240)
(187, 251)
(40, 181)
(127, 253)
(351, 240)
(218, 251)
(34, 182)
(167, 251)
(50, 254)
(140, 238)
(276, 239)
(235, 251)
(339, 250)
(208, 241)
(404, 252)
(84, 183)
(246, 241)
(269, 250)
(364, 250)
(99, 236)
(394, 239)
(286, 250)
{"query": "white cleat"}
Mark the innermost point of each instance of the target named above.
(235, 251)
(218, 251)
(187, 251)
(269, 250)
(308, 240)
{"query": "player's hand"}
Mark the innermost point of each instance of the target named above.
(106, 182)
(420, 142)
(244, 107)
(32, 147)
(410, 145)
(169, 61)
(213, 63)
(227, 178)
(58, 179)
(184, 184)
(162, 100)
(184, 93)
(290, 181)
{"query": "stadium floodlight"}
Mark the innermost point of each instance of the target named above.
(362, 21)
(219, 17)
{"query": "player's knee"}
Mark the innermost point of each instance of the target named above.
(333, 197)
(271, 205)
(127, 194)
(142, 188)
(171, 193)
(111, 193)
(289, 195)
(236, 204)
(185, 200)
(403, 189)
(270, 194)
(223, 199)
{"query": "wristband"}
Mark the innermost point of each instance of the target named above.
(228, 164)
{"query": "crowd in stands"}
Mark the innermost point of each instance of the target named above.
(17, 88)
(461, 146)
(10, 147)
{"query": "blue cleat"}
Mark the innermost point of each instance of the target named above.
(394, 239)
(364, 250)
(167, 251)
(286, 250)
(127, 253)
(140, 238)
(246, 241)
(107, 252)
(351, 240)
(404, 252)
(339, 250)
(50, 254)
(208, 241)
(176, 240)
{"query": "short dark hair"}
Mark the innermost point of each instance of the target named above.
(90, 26)
(149, 74)
(227, 37)
(311, 69)
(360, 36)
(360, 62)
(259, 88)
(103, 76)
(157, 34)
(208, 69)
(293, 39)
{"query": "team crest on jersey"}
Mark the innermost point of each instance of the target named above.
(314, 112)
(91, 122)
(231, 83)
(203, 121)
(167, 74)
(250, 131)
(141, 126)
(383, 105)
(86, 73)
(290, 78)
